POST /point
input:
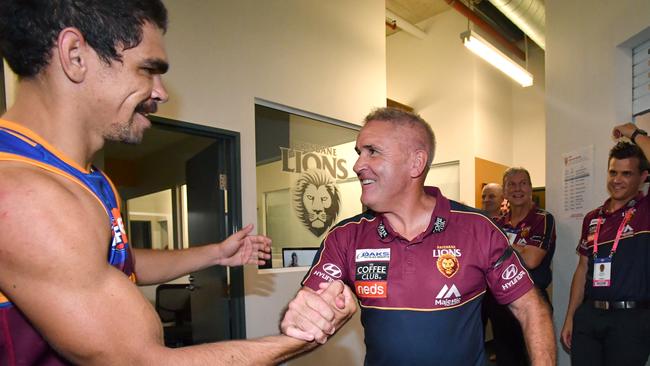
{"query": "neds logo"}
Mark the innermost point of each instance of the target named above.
(371, 289)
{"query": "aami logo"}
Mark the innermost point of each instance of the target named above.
(370, 255)
(510, 274)
(371, 289)
(444, 296)
(332, 270)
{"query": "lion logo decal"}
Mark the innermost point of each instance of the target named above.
(448, 265)
(316, 201)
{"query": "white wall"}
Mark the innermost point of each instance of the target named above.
(10, 82)
(588, 91)
(435, 76)
(325, 57)
(493, 119)
(529, 121)
(474, 109)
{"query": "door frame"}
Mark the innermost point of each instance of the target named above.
(236, 300)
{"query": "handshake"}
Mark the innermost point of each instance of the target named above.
(317, 315)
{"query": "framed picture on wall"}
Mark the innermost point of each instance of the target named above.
(298, 257)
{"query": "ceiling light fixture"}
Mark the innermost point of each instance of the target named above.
(496, 58)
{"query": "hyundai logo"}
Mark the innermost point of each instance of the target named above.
(509, 273)
(332, 270)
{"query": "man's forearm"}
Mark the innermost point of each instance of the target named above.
(643, 142)
(577, 288)
(159, 266)
(535, 318)
(270, 350)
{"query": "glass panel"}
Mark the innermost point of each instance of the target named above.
(305, 182)
(150, 220)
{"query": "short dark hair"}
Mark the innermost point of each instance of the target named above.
(406, 118)
(626, 150)
(29, 28)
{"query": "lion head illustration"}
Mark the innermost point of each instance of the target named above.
(448, 265)
(316, 201)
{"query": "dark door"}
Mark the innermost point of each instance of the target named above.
(209, 217)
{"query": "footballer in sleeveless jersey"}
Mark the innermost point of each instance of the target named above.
(20, 342)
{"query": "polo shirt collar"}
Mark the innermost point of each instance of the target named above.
(438, 223)
(602, 210)
(507, 217)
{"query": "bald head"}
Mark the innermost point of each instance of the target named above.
(491, 198)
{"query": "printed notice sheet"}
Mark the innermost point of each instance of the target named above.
(578, 182)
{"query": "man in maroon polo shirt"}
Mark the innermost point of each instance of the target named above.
(608, 316)
(531, 232)
(418, 263)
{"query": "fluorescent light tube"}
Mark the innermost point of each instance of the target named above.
(496, 58)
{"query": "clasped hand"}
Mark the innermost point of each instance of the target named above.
(317, 315)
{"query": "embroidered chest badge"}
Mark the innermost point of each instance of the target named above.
(525, 232)
(439, 225)
(448, 265)
(381, 230)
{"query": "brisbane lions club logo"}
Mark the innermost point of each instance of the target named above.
(316, 201)
(447, 265)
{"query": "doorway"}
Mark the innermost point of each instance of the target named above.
(181, 188)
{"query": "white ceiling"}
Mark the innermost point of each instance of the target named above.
(415, 11)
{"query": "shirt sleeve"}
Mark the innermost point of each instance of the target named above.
(506, 276)
(586, 236)
(329, 262)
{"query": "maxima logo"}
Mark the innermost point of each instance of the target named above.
(370, 255)
(448, 296)
(332, 270)
(447, 292)
(509, 272)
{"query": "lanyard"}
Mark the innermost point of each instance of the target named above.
(621, 227)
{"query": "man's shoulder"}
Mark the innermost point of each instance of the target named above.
(540, 212)
(32, 199)
(592, 214)
(469, 213)
(45, 219)
(19, 177)
(355, 222)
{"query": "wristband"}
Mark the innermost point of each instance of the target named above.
(637, 132)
